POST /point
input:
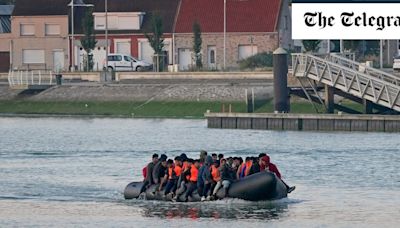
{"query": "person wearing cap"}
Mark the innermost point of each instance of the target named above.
(149, 171)
(271, 167)
(159, 169)
(204, 179)
(203, 155)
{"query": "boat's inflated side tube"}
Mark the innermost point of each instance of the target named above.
(256, 187)
(132, 191)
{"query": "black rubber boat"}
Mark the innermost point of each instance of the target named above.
(257, 187)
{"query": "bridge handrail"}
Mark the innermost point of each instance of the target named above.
(302, 62)
(360, 73)
(368, 70)
(29, 77)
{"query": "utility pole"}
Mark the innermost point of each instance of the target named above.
(224, 34)
(106, 10)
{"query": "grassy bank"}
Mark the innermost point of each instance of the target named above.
(138, 109)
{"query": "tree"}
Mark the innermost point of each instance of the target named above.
(311, 45)
(155, 39)
(7, 2)
(197, 42)
(351, 45)
(88, 40)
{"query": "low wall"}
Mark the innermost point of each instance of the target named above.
(304, 122)
(84, 76)
(119, 76)
(3, 76)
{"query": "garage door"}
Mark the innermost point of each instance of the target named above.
(123, 48)
(246, 51)
(146, 52)
(4, 61)
(185, 58)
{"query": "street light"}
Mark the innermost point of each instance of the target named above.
(106, 11)
(224, 34)
(72, 4)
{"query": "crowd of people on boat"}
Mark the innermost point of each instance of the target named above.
(207, 175)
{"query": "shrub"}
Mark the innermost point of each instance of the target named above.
(260, 60)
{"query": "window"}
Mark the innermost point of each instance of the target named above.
(52, 29)
(286, 23)
(115, 58)
(119, 20)
(246, 51)
(27, 29)
(129, 59)
(212, 56)
(33, 56)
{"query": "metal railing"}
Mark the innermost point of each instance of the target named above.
(21, 78)
(351, 77)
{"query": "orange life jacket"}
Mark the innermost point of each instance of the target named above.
(177, 170)
(216, 175)
(185, 166)
(249, 164)
(194, 172)
(170, 172)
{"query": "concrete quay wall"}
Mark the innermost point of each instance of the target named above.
(304, 122)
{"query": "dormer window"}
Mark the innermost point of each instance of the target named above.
(119, 21)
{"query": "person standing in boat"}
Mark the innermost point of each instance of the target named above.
(159, 169)
(206, 178)
(203, 156)
(149, 171)
(271, 167)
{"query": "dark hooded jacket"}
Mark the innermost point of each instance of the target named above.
(158, 172)
(206, 173)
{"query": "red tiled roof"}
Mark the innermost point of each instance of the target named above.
(242, 15)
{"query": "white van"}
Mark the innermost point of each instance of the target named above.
(121, 62)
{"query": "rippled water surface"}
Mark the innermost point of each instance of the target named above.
(72, 172)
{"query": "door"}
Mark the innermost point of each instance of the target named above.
(4, 61)
(211, 57)
(184, 58)
(58, 60)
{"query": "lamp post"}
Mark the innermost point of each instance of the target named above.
(106, 11)
(224, 34)
(73, 5)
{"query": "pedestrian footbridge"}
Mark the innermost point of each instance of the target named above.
(340, 75)
(30, 79)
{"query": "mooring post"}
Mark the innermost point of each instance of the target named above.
(281, 98)
(329, 99)
(368, 108)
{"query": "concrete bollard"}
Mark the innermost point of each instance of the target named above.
(281, 98)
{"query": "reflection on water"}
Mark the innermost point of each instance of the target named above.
(223, 209)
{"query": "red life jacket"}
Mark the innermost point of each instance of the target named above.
(144, 172)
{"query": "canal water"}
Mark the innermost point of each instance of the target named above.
(72, 172)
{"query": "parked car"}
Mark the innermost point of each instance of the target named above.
(396, 63)
(122, 62)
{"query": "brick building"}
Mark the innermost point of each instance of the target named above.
(252, 26)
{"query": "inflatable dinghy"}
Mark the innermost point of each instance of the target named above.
(257, 187)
